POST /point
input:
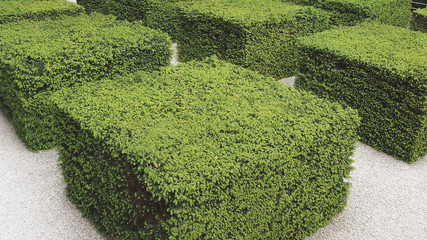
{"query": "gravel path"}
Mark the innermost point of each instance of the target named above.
(33, 204)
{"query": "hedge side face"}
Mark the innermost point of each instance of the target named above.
(156, 14)
(381, 71)
(15, 11)
(204, 151)
(352, 12)
(37, 58)
(419, 20)
(130, 10)
(259, 35)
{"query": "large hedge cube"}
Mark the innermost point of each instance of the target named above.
(204, 151)
(38, 58)
(256, 34)
(352, 12)
(17, 10)
(380, 70)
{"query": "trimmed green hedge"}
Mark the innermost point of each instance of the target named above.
(15, 11)
(37, 58)
(380, 70)
(419, 20)
(204, 151)
(352, 12)
(157, 14)
(130, 10)
(256, 34)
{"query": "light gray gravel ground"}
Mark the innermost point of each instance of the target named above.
(33, 204)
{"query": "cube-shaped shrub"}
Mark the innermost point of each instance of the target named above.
(204, 151)
(419, 20)
(380, 70)
(17, 10)
(352, 12)
(258, 34)
(38, 58)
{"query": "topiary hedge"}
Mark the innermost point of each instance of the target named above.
(204, 151)
(38, 58)
(256, 34)
(379, 70)
(419, 20)
(352, 12)
(15, 11)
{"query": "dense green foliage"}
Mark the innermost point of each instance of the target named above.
(419, 20)
(256, 34)
(204, 151)
(351, 12)
(380, 70)
(157, 14)
(37, 58)
(130, 10)
(15, 11)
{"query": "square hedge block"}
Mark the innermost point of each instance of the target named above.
(38, 58)
(381, 71)
(256, 34)
(204, 151)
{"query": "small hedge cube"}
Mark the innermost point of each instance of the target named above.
(380, 70)
(15, 11)
(419, 20)
(256, 34)
(38, 58)
(352, 12)
(204, 151)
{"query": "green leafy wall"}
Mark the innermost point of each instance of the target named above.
(38, 58)
(380, 70)
(156, 14)
(204, 151)
(256, 34)
(15, 11)
(419, 20)
(352, 12)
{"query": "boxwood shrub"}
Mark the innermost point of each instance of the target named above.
(15, 11)
(38, 58)
(379, 70)
(204, 151)
(256, 34)
(351, 12)
(419, 20)
(157, 14)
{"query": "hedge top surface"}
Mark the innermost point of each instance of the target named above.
(41, 50)
(14, 7)
(383, 46)
(193, 126)
(244, 11)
